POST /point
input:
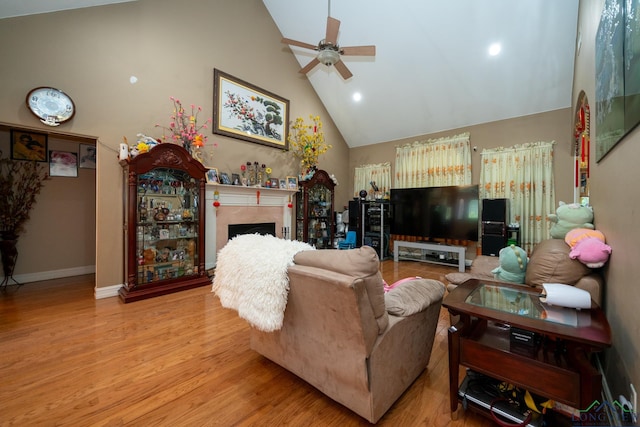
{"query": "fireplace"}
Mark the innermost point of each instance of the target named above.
(238, 205)
(263, 228)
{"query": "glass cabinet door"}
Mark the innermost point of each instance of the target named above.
(300, 217)
(167, 225)
(163, 223)
(319, 217)
(314, 211)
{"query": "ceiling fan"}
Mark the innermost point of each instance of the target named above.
(329, 52)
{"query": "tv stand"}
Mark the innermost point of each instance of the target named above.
(426, 246)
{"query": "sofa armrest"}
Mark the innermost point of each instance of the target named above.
(413, 296)
(593, 284)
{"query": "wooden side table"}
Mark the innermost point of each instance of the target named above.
(558, 368)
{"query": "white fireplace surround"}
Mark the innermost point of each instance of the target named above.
(244, 205)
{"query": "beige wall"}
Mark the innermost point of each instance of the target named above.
(172, 48)
(59, 238)
(614, 196)
(550, 126)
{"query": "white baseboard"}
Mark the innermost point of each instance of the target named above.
(54, 274)
(107, 291)
(104, 292)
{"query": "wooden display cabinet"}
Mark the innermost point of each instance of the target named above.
(163, 223)
(315, 222)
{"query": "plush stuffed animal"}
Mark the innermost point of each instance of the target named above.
(568, 217)
(513, 265)
(577, 234)
(591, 252)
(588, 246)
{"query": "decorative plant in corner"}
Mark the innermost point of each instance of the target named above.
(306, 143)
(20, 183)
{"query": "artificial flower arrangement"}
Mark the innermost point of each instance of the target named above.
(184, 128)
(306, 142)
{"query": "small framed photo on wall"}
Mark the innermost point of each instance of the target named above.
(27, 145)
(63, 163)
(88, 156)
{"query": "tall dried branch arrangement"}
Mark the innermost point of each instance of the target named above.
(20, 183)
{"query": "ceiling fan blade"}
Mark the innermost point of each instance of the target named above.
(359, 50)
(333, 25)
(309, 66)
(299, 44)
(343, 70)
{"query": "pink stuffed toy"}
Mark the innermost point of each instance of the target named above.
(588, 247)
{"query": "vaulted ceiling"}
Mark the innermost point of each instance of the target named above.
(432, 70)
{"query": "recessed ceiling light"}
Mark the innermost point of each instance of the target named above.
(357, 96)
(495, 49)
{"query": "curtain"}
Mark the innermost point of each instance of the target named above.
(524, 175)
(380, 174)
(435, 162)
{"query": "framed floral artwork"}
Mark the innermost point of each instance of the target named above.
(244, 111)
(63, 163)
(27, 145)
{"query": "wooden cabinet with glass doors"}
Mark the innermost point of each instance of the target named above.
(315, 222)
(164, 223)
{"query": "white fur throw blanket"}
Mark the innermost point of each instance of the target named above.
(251, 277)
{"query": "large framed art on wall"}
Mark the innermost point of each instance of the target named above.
(244, 111)
(617, 71)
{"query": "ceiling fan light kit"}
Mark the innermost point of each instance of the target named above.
(329, 53)
(328, 56)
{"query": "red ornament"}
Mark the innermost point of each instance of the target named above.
(216, 203)
(290, 205)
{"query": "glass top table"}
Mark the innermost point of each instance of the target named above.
(523, 302)
(520, 306)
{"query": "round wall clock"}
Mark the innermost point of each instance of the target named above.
(52, 106)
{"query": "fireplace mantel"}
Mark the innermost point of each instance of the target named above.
(240, 204)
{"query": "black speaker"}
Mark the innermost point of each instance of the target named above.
(491, 244)
(496, 210)
(354, 214)
(355, 219)
(494, 227)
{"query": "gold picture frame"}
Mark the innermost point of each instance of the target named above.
(213, 177)
(292, 182)
(245, 111)
(27, 145)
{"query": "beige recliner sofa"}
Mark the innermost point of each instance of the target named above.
(342, 334)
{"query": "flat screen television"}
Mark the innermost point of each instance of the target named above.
(430, 213)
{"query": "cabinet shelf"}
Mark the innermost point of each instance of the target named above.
(163, 255)
(488, 347)
(373, 225)
(314, 211)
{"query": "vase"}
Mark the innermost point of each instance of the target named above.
(8, 254)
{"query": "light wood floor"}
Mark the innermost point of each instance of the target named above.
(175, 360)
